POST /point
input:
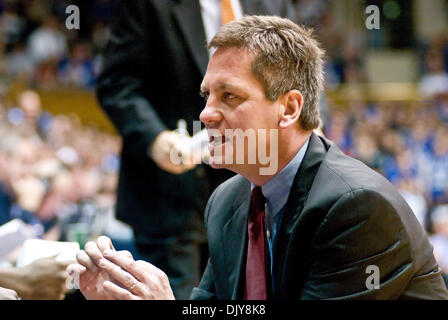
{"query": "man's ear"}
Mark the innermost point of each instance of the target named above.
(291, 107)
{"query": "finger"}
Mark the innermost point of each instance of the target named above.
(117, 292)
(72, 283)
(127, 264)
(84, 260)
(75, 268)
(104, 243)
(126, 253)
(74, 271)
(91, 248)
(118, 274)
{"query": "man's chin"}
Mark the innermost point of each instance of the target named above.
(217, 163)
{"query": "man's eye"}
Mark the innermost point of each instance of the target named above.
(204, 95)
(228, 95)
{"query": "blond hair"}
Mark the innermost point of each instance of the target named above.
(287, 57)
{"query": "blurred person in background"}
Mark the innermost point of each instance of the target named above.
(12, 25)
(46, 46)
(47, 42)
(78, 69)
(366, 150)
(18, 63)
(337, 130)
(439, 167)
(153, 66)
(435, 81)
(43, 279)
(439, 236)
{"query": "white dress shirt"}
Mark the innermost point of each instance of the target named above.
(211, 16)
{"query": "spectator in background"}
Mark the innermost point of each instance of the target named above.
(366, 149)
(47, 42)
(18, 62)
(435, 81)
(12, 26)
(439, 167)
(338, 131)
(46, 46)
(77, 69)
(439, 238)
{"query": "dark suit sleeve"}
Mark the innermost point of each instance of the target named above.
(362, 229)
(206, 288)
(121, 85)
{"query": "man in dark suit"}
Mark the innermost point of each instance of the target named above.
(154, 64)
(309, 222)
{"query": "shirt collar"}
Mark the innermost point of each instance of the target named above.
(276, 190)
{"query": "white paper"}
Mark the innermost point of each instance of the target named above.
(34, 249)
(12, 235)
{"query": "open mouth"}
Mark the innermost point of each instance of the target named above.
(215, 141)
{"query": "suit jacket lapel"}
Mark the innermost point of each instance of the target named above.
(188, 15)
(299, 192)
(235, 242)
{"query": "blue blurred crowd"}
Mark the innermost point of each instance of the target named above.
(56, 174)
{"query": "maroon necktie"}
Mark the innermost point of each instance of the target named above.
(255, 288)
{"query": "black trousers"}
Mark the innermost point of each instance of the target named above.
(182, 258)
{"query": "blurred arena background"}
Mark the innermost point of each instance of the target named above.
(386, 103)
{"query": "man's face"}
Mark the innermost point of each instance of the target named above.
(235, 99)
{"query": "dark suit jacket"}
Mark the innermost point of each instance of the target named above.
(341, 217)
(154, 64)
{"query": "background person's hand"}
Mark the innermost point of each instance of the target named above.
(8, 294)
(169, 151)
(44, 279)
(137, 280)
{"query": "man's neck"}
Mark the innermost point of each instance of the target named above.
(286, 151)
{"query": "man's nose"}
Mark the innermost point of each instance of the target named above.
(210, 115)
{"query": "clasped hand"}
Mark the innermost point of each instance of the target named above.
(102, 273)
(169, 151)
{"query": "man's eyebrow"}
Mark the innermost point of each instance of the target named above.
(227, 86)
(221, 86)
